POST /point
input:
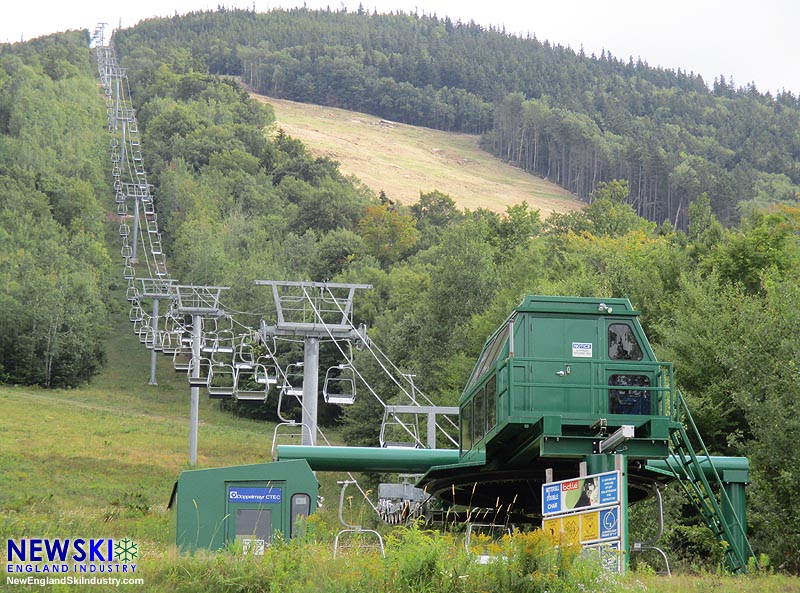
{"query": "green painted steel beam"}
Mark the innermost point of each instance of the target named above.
(369, 459)
(729, 469)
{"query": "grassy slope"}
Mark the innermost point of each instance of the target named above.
(99, 456)
(405, 160)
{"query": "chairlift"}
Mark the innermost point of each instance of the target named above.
(248, 385)
(292, 386)
(136, 313)
(293, 381)
(397, 434)
(124, 229)
(173, 340)
(132, 294)
(182, 358)
(161, 267)
(224, 342)
(245, 355)
(163, 341)
(128, 272)
(155, 244)
(140, 328)
(198, 371)
(221, 380)
(355, 536)
(150, 339)
(293, 430)
(487, 536)
(265, 374)
(340, 385)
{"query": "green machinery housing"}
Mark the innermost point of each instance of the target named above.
(552, 385)
(242, 507)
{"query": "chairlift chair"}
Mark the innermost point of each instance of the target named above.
(150, 339)
(248, 386)
(163, 340)
(356, 537)
(172, 341)
(265, 374)
(340, 385)
(293, 380)
(245, 356)
(221, 380)
(396, 434)
(486, 534)
(292, 386)
(136, 313)
(182, 358)
(141, 328)
(203, 366)
(224, 342)
(291, 431)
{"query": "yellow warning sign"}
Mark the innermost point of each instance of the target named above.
(572, 529)
(552, 528)
(590, 526)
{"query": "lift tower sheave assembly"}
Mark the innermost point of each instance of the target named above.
(312, 311)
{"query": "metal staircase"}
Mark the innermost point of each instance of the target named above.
(705, 490)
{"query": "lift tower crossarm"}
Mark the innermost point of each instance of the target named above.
(313, 311)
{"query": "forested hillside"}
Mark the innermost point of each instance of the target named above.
(577, 120)
(53, 260)
(238, 200)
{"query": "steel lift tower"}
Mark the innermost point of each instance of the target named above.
(312, 311)
(200, 302)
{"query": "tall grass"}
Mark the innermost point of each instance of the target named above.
(416, 561)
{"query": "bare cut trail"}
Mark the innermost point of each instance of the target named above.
(404, 160)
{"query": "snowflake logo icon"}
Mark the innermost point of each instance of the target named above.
(126, 550)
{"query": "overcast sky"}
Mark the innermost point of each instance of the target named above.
(748, 41)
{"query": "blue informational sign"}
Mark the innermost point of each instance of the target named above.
(254, 495)
(551, 499)
(609, 488)
(609, 523)
(581, 493)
